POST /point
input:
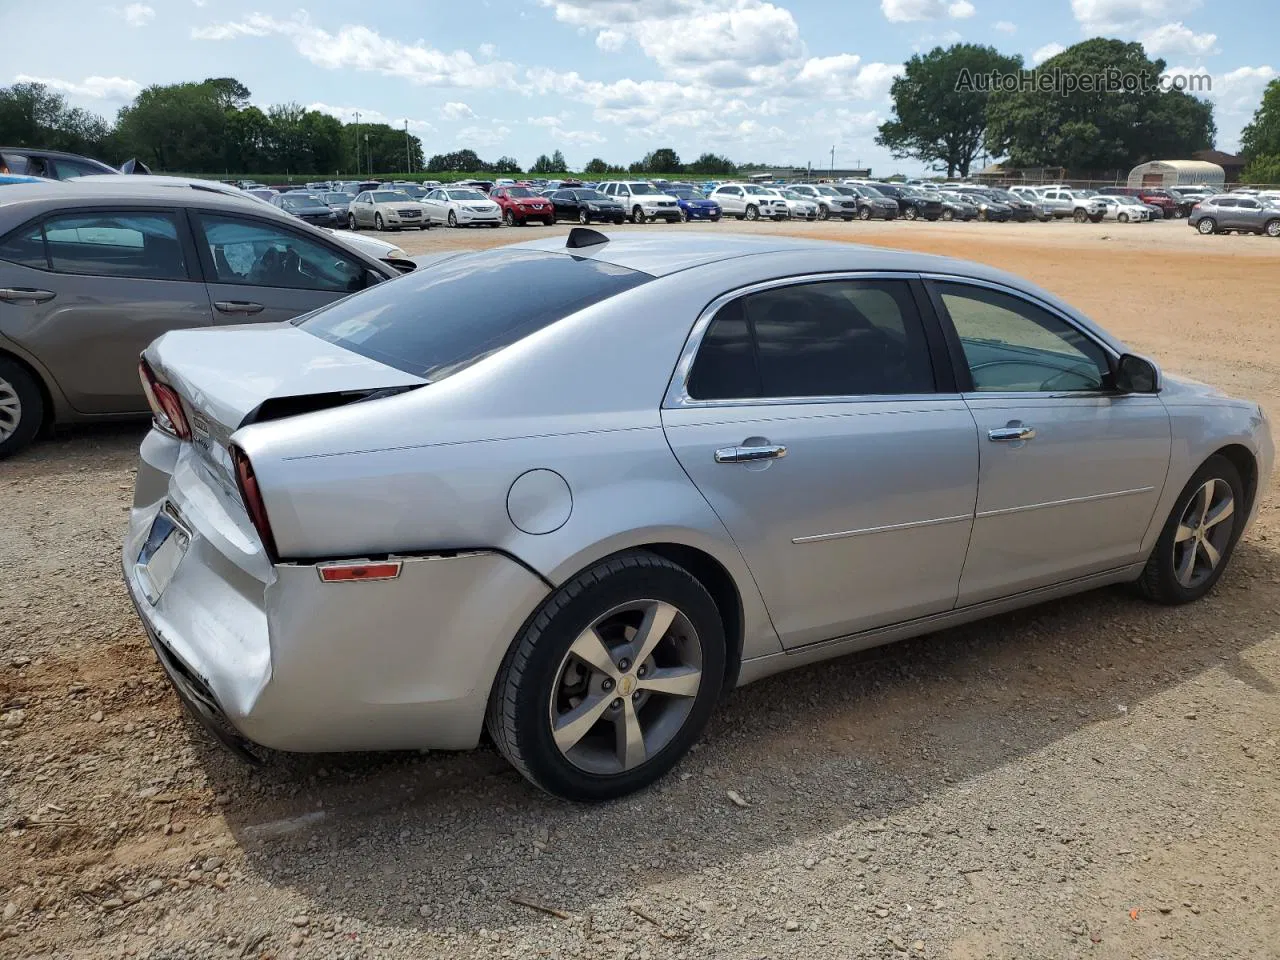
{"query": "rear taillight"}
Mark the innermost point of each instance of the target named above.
(251, 495)
(166, 408)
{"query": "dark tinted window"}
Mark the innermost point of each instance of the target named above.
(437, 322)
(71, 169)
(834, 338)
(25, 246)
(138, 245)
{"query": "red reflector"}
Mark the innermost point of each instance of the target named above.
(349, 572)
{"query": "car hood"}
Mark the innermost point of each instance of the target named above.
(1180, 389)
(652, 197)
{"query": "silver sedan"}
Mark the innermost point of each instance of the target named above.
(571, 493)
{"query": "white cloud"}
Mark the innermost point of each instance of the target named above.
(135, 14)
(457, 111)
(349, 115)
(561, 134)
(907, 11)
(611, 41)
(482, 137)
(199, 3)
(1177, 38)
(487, 50)
(1235, 94)
(93, 88)
(1044, 53)
(1126, 16)
(931, 40)
(1004, 26)
(359, 48)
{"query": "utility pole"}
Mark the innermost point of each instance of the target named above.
(833, 162)
(368, 155)
(408, 161)
(357, 143)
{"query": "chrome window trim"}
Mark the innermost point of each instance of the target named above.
(677, 396)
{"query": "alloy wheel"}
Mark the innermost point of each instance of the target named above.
(1204, 532)
(1272, 228)
(948, 215)
(583, 217)
(912, 213)
(351, 223)
(1207, 226)
(377, 222)
(10, 410)
(510, 218)
(453, 219)
(752, 212)
(625, 687)
(864, 213)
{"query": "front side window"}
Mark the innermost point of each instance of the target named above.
(834, 338)
(1012, 345)
(137, 245)
(265, 255)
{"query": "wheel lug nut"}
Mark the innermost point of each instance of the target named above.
(624, 664)
(616, 703)
(641, 672)
(607, 684)
(636, 695)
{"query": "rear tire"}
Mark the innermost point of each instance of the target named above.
(1272, 228)
(1169, 576)
(1207, 226)
(542, 674)
(21, 407)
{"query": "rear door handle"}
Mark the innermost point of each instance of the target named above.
(750, 454)
(1010, 434)
(25, 295)
(238, 306)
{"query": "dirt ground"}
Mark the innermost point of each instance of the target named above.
(1091, 778)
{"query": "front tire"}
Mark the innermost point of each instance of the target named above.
(824, 212)
(637, 215)
(1123, 218)
(352, 225)
(377, 222)
(753, 212)
(21, 407)
(948, 215)
(864, 213)
(1272, 228)
(509, 219)
(1080, 216)
(1199, 537)
(911, 213)
(612, 681)
(453, 219)
(584, 217)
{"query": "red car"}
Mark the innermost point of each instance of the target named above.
(520, 205)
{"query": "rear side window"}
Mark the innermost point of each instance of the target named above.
(142, 246)
(25, 246)
(435, 323)
(833, 338)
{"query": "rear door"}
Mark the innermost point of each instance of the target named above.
(1071, 470)
(260, 270)
(818, 419)
(85, 292)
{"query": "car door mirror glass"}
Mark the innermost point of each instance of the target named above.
(1134, 374)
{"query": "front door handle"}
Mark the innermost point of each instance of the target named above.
(1011, 434)
(25, 295)
(750, 454)
(238, 306)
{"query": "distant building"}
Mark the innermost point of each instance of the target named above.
(1232, 165)
(1174, 173)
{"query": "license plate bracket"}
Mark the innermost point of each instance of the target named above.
(158, 560)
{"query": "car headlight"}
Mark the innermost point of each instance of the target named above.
(593, 206)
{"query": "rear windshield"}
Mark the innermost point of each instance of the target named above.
(437, 322)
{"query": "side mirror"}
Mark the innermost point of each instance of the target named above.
(1134, 374)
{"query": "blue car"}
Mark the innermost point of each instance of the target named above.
(693, 206)
(7, 178)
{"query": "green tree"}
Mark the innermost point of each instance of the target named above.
(1261, 137)
(460, 161)
(709, 164)
(507, 165)
(244, 147)
(1097, 128)
(939, 112)
(178, 127)
(662, 160)
(558, 163)
(229, 92)
(596, 166)
(1263, 169)
(31, 115)
(543, 165)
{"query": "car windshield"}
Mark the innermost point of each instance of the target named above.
(588, 195)
(520, 192)
(684, 193)
(299, 203)
(434, 323)
(754, 190)
(642, 188)
(411, 190)
(829, 192)
(337, 198)
(465, 195)
(389, 196)
(869, 191)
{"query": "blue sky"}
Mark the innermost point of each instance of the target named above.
(780, 81)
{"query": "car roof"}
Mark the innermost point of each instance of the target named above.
(22, 201)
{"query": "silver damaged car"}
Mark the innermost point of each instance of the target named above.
(573, 493)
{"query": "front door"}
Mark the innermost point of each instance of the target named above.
(260, 270)
(1071, 470)
(89, 295)
(813, 423)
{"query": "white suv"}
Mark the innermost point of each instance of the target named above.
(1082, 208)
(643, 201)
(750, 201)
